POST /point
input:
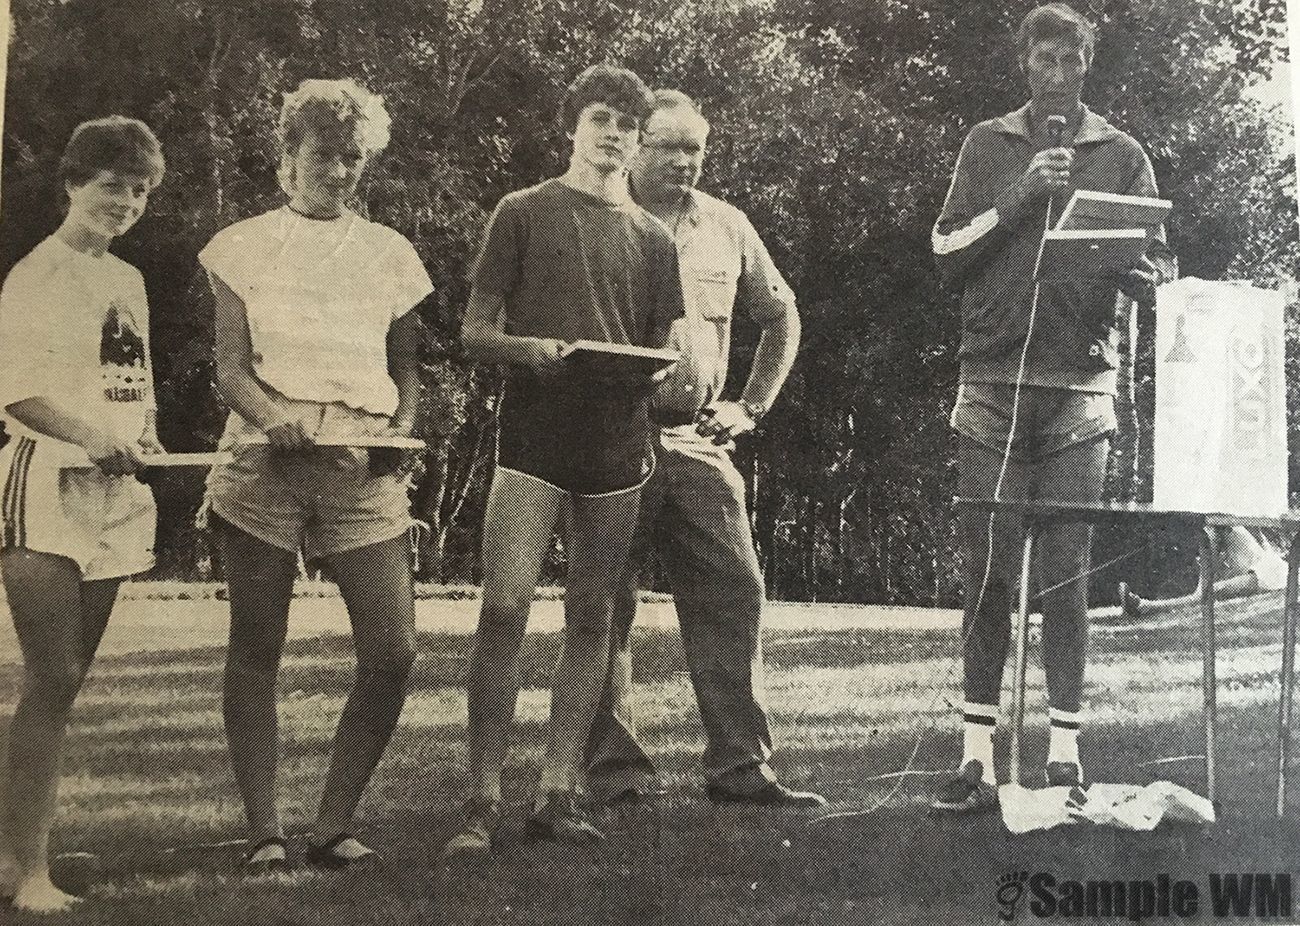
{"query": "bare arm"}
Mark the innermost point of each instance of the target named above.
(110, 454)
(773, 358)
(404, 338)
(777, 346)
(483, 333)
(405, 335)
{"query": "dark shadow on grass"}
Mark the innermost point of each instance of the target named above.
(685, 860)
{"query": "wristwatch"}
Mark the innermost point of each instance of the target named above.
(753, 410)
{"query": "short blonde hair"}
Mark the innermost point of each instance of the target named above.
(334, 104)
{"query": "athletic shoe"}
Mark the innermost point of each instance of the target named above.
(474, 839)
(561, 819)
(1063, 775)
(968, 792)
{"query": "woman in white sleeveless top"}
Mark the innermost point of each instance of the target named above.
(315, 337)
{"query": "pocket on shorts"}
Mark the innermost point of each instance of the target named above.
(982, 412)
(1080, 416)
(247, 459)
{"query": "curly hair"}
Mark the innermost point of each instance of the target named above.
(604, 83)
(1053, 21)
(117, 143)
(321, 103)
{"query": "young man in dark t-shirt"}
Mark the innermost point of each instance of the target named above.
(569, 259)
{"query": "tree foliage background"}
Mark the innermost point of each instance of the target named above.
(835, 127)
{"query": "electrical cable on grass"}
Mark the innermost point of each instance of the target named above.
(946, 678)
(908, 769)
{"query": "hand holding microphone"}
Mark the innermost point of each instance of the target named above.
(1049, 169)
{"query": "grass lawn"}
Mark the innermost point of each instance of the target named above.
(147, 774)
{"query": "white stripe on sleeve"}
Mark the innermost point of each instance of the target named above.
(965, 236)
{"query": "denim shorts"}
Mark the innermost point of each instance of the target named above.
(309, 500)
(1047, 420)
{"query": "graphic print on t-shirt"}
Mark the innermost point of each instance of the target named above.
(121, 355)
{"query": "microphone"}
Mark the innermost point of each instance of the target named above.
(1056, 129)
(1055, 125)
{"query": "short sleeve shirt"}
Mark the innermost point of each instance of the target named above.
(74, 329)
(572, 266)
(724, 265)
(321, 295)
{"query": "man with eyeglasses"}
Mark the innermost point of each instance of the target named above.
(693, 508)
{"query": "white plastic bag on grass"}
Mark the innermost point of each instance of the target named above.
(1129, 807)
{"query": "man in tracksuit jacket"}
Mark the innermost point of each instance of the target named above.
(1042, 365)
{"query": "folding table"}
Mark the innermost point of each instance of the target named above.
(1036, 514)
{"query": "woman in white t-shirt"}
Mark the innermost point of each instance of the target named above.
(76, 390)
(313, 311)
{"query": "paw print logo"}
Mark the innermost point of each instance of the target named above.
(1011, 890)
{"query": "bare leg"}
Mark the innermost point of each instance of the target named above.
(59, 621)
(988, 575)
(376, 585)
(614, 755)
(1075, 474)
(602, 533)
(521, 516)
(8, 861)
(260, 578)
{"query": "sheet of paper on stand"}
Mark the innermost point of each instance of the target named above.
(1124, 806)
(1220, 422)
(1094, 209)
(1078, 254)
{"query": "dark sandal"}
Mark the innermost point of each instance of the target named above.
(327, 856)
(256, 867)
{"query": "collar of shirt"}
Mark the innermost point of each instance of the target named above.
(1092, 127)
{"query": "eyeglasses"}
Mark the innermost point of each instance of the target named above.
(688, 149)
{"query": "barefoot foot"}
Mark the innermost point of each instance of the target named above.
(38, 894)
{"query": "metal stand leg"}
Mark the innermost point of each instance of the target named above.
(1022, 656)
(1287, 680)
(1209, 568)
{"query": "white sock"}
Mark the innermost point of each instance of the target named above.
(1064, 743)
(979, 722)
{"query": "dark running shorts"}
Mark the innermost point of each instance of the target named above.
(576, 433)
(1047, 421)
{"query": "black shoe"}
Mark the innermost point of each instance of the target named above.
(329, 857)
(267, 857)
(561, 819)
(1063, 775)
(770, 794)
(968, 792)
